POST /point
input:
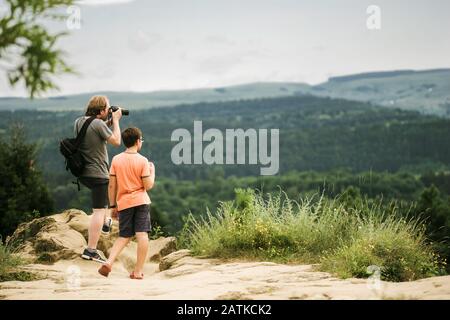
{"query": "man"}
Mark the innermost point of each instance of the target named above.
(131, 175)
(95, 175)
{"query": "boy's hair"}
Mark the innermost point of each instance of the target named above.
(130, 136)
(95, 105)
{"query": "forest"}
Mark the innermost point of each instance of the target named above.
(330, 147)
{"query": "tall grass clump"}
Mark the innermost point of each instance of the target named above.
(10, 267)
(343, 239)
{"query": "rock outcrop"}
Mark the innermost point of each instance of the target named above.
(161, 247)
(52, 238)
(64, 236)
(168, 261)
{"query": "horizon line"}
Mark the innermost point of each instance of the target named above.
(331, 78)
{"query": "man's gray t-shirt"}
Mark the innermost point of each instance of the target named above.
(93, 147)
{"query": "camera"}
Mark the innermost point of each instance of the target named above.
(125, 112)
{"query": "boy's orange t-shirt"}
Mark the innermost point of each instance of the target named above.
(129, 169)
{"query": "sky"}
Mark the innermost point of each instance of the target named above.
(150, 45)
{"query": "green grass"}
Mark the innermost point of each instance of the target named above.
(10, 267)
(343, 238)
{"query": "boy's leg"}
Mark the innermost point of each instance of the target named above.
(117, 248)
(142, 248)
(125, 234)
(141, 227)
(126, 231)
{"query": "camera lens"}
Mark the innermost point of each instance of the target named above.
(125, 112)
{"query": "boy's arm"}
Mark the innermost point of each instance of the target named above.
(112, 190)
(149, 181)
(112, 193)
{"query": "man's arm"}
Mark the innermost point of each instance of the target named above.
(149, 181)
(115, 138)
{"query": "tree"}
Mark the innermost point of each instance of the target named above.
(27, 49)
(23, 195)
(435, 209)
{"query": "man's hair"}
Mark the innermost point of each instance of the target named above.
(95, 105)
(130, 136)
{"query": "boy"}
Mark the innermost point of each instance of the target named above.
(131, 175)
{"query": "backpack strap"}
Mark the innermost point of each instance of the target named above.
(77, 182)
(82, 133)
(79, 139)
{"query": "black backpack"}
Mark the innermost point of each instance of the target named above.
(69, 148)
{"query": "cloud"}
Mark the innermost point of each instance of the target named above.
(102, 2)
(223, 63)
(318, 48)
(219, 40)
(142, 40)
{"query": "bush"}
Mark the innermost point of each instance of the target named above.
(345, 239)
(400, 254)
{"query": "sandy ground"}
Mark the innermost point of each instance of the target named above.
(59, 239)
(193, 278)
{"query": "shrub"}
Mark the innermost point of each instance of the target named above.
(344, 238)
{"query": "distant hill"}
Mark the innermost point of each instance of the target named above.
(425, 91)
(148, 100)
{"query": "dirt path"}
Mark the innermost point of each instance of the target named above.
(192, 278)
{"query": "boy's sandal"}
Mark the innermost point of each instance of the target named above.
(133, 276)
(105, 269)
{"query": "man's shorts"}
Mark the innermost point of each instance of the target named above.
(134, 219)
(99, 191)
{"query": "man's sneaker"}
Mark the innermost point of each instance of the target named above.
(106, 229)
(87, 255)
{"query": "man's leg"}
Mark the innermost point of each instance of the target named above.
(99, 214)
(107, 215)
(142, 248)
(99, 196)
(95, 227)
(117, 248)
(107, 222)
